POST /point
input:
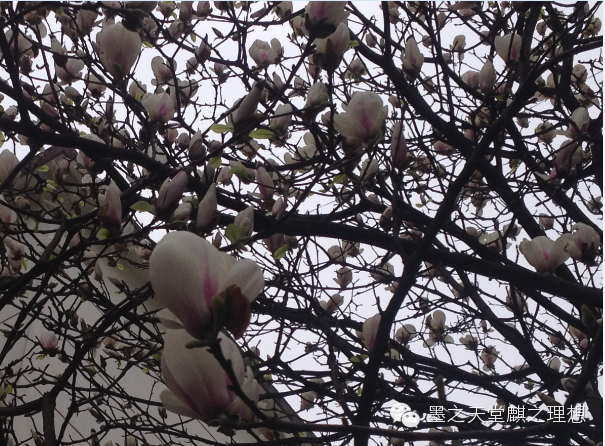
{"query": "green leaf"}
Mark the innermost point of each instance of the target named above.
(262, 134)
(102, 234)
(51, 182)
(143, 206)
(120, 266)
(43, 169)
(2, 139)
(215, 162)
(40, 357)
(355, 359)
(138, 96)
(23, 263)
(280, 252)
(9, 388)
(193, 37)
(221, 128)
(146, 370)
(354, 43)
(340, 178)
(233, 233)
(241, 172)
(157, 357)
(148, 44)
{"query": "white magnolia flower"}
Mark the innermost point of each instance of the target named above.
(364, 118)
(198, 385)
(545, 254)
(187, 272)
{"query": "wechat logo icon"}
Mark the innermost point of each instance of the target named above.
(402, 412)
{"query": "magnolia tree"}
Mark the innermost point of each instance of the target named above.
(324, 222)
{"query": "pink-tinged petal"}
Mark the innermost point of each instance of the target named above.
(331, 12)
(545, 254)
(248, 277)
(49, 340)
(159, 107)
(186, 272)
(506, 50)
(584, 244)
(110, 213)
(120, 49)
(412, 59)
(196, 378)
(399, 148)
(364, 118)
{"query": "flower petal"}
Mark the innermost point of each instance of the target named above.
(247, 275)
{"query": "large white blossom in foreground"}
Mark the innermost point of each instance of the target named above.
(198, 384)
(187, 272)
(364, 118)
